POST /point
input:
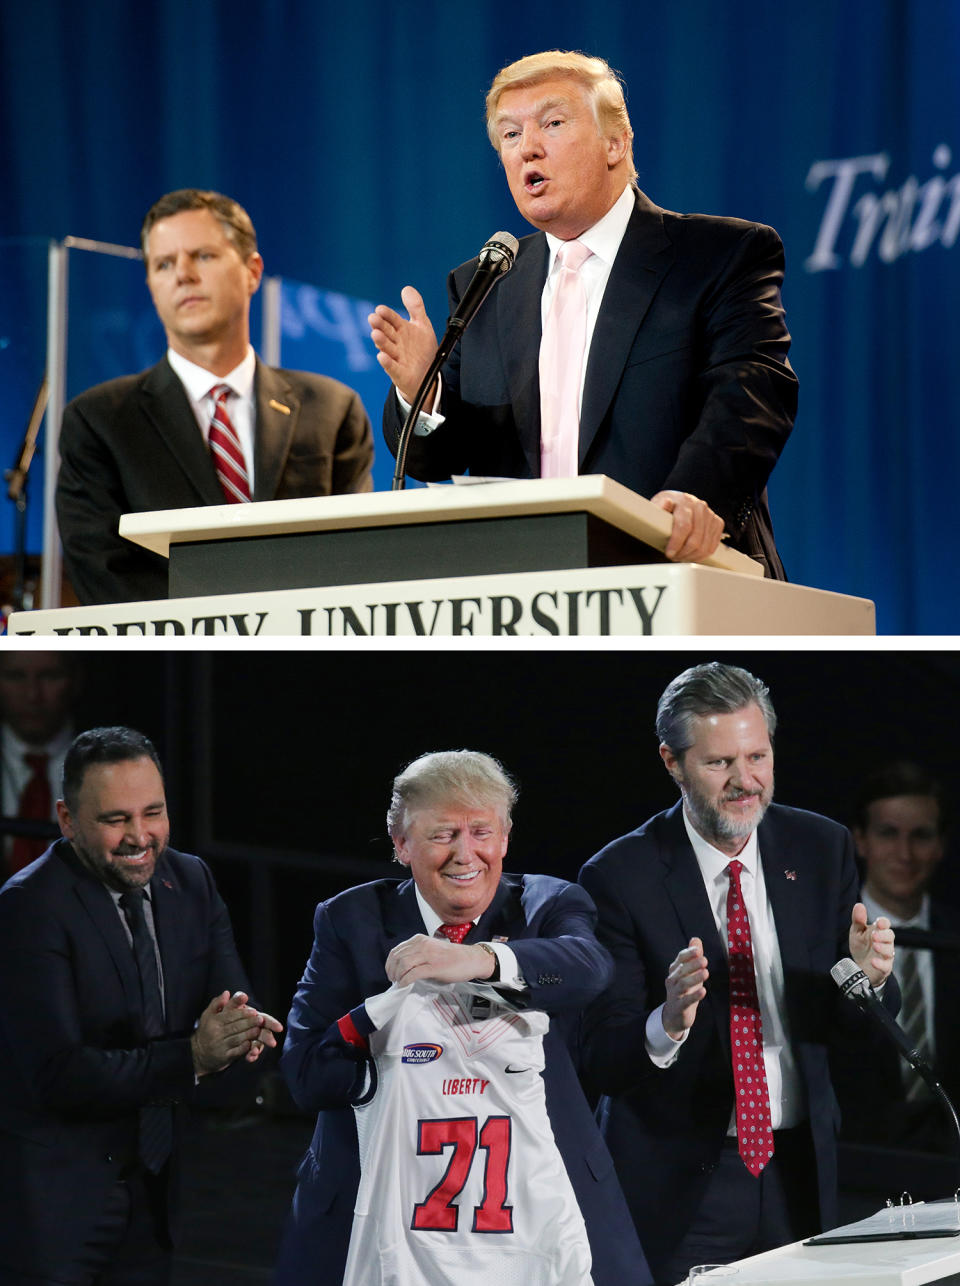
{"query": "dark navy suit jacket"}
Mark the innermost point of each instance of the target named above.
(549, 924)
(666, 1127)
(75, 1066)
(688, 385)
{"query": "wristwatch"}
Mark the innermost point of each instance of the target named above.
(495, 976)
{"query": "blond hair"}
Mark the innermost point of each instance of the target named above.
(603, 85)
(448, 778)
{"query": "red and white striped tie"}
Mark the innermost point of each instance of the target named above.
(226, 450)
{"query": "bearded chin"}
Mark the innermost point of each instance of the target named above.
(715, 825)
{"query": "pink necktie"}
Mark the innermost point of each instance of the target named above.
(561, 364)
(226, 450)
(455, 932)
(754, 1130)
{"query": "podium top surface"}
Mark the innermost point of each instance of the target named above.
(909, 1262)
(595, 494)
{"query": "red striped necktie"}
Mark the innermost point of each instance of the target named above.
(226, 450)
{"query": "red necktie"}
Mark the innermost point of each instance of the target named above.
(754, 1130)
(35, 805)
(455, 932)
(226, 450)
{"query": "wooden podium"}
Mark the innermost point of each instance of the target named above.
(572, 556)
(474, 530)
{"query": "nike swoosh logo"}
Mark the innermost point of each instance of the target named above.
(516, 1069)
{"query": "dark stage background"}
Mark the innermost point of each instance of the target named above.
(354, 135)
(279, 764)
(278, 771)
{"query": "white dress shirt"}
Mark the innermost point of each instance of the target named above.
(604, 240)
(787, 1099)
(241, 406)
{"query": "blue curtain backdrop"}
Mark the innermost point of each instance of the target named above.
(354, 135)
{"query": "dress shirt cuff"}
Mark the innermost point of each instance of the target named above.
(427, 421)
(660, 1046)
(510, 975)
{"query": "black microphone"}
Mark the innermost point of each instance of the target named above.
(495, 259)
(855, 985)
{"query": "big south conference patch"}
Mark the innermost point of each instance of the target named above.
(421, 1053)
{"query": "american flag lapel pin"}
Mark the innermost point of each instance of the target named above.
(166, 884)
(791, 875)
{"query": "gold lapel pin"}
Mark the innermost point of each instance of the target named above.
(278, 406)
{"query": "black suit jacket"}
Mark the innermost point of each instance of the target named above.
(688, 385)
(132, 445)
(671, 1123)
(75, 1066)
(549, 924)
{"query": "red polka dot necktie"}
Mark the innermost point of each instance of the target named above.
(754, 1130)
(36, 805)
(455, 932)
(226, 450)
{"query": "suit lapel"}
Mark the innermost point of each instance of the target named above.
(103, 914)
(790, 898)
(165, 405)
(645, 256)
(400, 913)
(518, 298)
(683, 882)
(278, 410)
(504, 916)
(168, 923)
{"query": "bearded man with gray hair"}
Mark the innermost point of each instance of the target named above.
(724, 915)
(434, 1020)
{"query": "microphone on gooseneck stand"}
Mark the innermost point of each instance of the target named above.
(855, 985)
(495, 259)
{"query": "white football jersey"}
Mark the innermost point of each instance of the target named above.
(462, 1181)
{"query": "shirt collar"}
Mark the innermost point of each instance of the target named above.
(606, 234)
(919, 921)
(198, 381)
(57, 745)
(712, 862)
(431, 920)
(117, 894)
